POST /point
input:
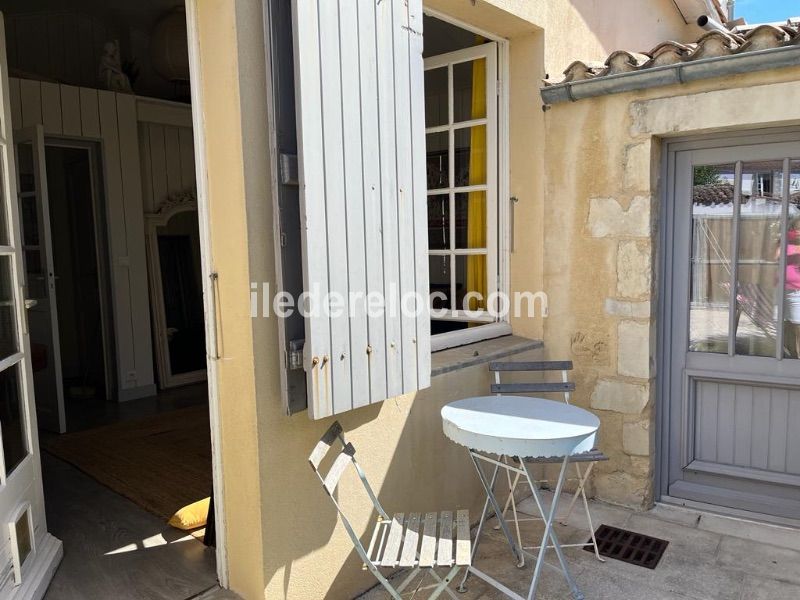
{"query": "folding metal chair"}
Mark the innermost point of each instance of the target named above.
(565, 387)
(416, 533)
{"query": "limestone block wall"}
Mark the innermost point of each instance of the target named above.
(600, 245)
(599, 259)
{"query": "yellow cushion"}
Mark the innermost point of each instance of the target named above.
(192, 516)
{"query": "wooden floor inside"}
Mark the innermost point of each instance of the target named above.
(113, 548)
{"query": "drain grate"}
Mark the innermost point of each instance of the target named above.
(628, 546)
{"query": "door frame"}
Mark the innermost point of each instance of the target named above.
(209, 285)
(34, 135)
(22, 488)
(102, 249)
(665, 301)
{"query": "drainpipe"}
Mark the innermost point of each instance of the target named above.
(731, 6)
(711, 24)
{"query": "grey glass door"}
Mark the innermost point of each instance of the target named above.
(732, 315)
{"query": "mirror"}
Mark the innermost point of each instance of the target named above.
(176, 294)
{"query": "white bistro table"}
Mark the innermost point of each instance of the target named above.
(520, 427)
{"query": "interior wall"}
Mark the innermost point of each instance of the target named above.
(167, 150)
(50, 41)
(110, 118)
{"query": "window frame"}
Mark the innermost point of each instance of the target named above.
(502, 234)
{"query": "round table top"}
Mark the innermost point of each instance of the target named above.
(520, 426)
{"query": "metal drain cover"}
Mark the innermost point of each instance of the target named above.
(628, 546)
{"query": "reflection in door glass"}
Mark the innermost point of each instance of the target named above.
(3, 219)
(24, 538)
(469, 90)
(12, 420)
(8, 330)
(712, 231)
(791, 309)
(758, 258)
(27, 180)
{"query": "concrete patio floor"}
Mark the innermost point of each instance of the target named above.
(710, 557)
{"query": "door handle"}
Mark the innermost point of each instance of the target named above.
(30, 303)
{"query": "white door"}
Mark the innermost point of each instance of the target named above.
(40, 280)
(28, 554)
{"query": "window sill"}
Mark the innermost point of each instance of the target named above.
(455, 359)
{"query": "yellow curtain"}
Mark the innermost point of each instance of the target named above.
(476, 202)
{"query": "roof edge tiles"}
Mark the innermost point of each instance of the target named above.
(715, 54)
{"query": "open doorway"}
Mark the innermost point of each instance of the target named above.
(113, 280)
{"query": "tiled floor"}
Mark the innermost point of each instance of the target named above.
(709, 558)
(95, 412)
(115, 550)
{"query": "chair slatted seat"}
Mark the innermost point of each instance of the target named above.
(587, 459)
(411, 540)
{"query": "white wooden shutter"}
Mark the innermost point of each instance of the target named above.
(361, 157)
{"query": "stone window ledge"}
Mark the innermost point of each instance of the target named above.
(462, 357)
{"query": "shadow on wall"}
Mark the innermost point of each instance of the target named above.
(636, 27)
(409, 462)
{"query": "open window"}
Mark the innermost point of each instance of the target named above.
(464, 100)
(387, 193)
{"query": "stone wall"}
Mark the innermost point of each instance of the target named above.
(601, 207)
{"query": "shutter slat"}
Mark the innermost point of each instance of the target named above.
(308, 92)
(371, 165)
(335, 193)
(354, 197)
(420, 182)
(384, 24)
(361, 165)
(405, 192)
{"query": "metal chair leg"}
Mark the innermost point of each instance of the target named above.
(411, 576)
(444, 583)
(582, 478)
(461, 586)
(549, 533)
(591, 526)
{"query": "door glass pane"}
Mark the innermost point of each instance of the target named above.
(438, 160)
(436, 112)
(4, 239)
(471, 223)
(470, 156)
(12, 420)
(712, 234)
(791, 310)
(8, 328)
(24, 538)
(439, 272)
(30, 219)
(439, 222)
(759, 253)
(469, 90)
(27, 179)
(471, 279)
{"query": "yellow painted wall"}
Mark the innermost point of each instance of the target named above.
(283, 538)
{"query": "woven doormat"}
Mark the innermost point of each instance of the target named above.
(162, 462)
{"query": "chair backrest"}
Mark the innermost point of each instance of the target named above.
(330, 480)
(565, 386)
